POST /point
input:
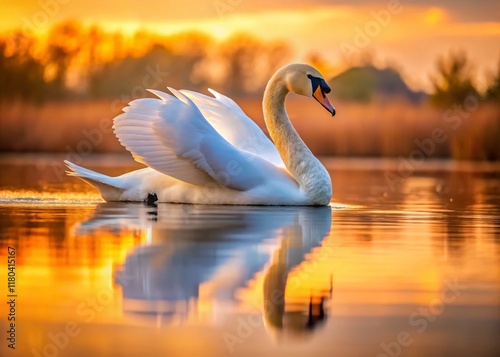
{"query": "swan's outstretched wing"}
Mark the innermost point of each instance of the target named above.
(136, 129)
(234, 125)
(171, 136)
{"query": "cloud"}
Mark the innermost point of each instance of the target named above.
(462, 10)
(164, 10)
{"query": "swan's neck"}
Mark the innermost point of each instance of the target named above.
(309, 173)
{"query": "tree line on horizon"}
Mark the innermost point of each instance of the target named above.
(75, 62)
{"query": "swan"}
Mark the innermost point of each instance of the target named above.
(204, 150)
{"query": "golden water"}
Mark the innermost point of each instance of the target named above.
(406, 270)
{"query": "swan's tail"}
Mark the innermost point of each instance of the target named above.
(109, 187)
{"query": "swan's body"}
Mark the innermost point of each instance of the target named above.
(205, 150)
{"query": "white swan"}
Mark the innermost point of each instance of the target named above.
(205, 150)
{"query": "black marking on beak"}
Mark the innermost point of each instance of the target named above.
(319, 88)
(319, 82)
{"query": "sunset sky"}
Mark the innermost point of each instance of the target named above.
(409, 34)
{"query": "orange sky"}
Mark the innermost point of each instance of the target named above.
(407, 33)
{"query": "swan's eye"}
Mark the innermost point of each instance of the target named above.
(319, 82)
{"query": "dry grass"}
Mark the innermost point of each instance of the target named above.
(376, 129)
(390, 130)
(55, 126)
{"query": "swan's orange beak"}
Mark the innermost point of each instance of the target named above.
(320, 96)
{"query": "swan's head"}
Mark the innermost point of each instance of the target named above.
(306, 80)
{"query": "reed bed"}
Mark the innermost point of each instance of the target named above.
(378, 129)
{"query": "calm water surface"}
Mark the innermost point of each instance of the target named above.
(398, 265)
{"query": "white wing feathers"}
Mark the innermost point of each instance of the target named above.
(234, 125)
(172, 136)
(135, 129)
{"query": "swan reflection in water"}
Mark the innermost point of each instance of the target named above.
(218, 249)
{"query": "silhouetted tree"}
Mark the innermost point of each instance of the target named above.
(21, 74)
(162, 66)
(453, 82)
(249, 63)
(493, 91)
(64, 43)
